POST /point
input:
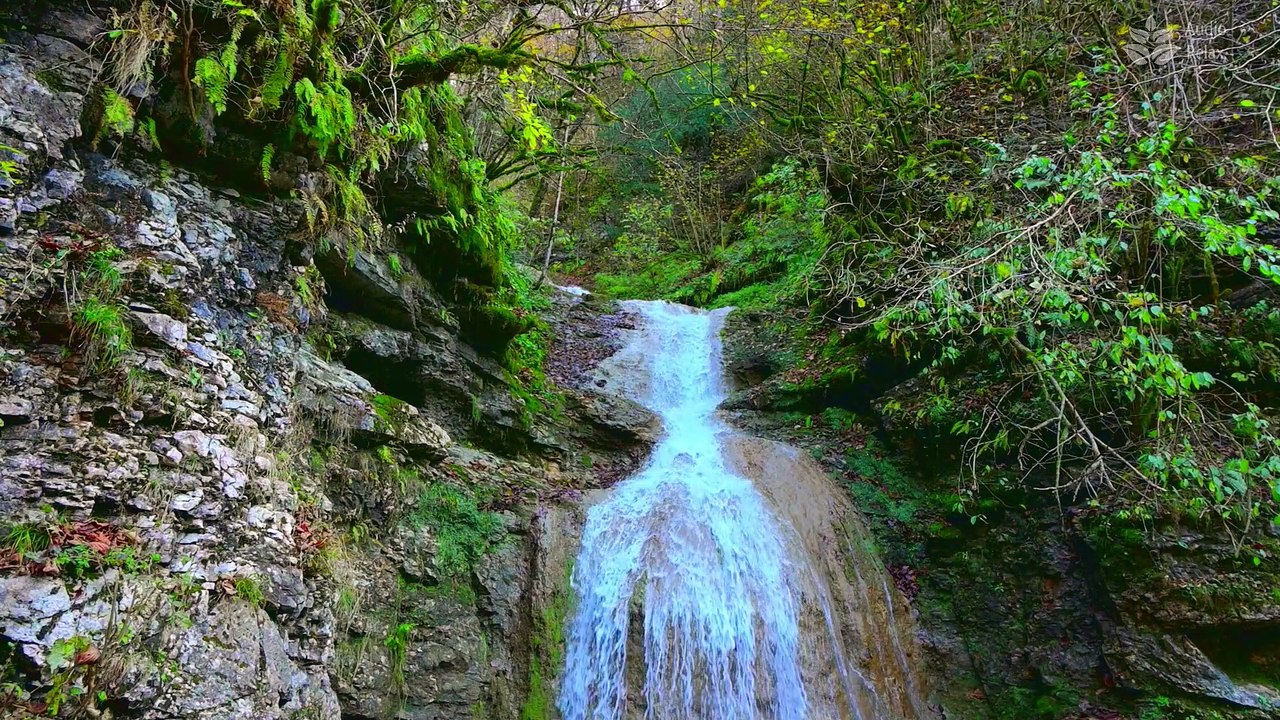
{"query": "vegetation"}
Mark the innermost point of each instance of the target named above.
(397, 644)
(1059, 232)
(463, 533)
(547, 656)
(249, 588)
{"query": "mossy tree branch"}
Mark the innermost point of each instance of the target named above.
(462, 59)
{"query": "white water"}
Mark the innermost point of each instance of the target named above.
(573, 290)
(724, 585)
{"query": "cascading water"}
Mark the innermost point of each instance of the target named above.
(738, 622)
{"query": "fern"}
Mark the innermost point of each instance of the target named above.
(352, 203)
(228, 55)
(9, 158)
(268, 154)
(212, 78)
(117, 116)
(215, 75)
(325, 113)
(277, 81)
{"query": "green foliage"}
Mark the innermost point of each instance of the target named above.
(306, 285)
(9, 165)
(463, 532)
(215, 74)
(27, 538)
(117, 119)
(780, 240)
(326, 113)
(1072, 302)
(97, 318)
(264, 164)
(1045, 298)
(662, 278)
(397, 644)
(101, 274)
(249, 588)
(104, 328)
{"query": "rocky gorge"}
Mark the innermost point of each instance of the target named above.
(262, 457)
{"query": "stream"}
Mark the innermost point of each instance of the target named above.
(727, 579)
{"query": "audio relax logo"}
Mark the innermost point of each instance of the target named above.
(1150, 45)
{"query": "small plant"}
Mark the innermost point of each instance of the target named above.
(101, 274)
(75, 561)
(348, 602)
(397, 644)
(132, 385)
(9, 165)
(97, 319)
(63, 658)
(26, 538)
(250, 588)
(305, 286)
(264, 164)
(105, 331)
(397, 268)
(117, 117)
(147, 130)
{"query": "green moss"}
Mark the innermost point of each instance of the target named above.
(882, 487)
(389, 411)
(493, 327)
(537, 705)
(547, 651)
(463, 532)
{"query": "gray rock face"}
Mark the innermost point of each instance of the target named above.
(226, 521)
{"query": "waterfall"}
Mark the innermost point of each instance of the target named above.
(736, 619)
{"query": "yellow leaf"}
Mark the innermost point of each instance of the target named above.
(861, 303)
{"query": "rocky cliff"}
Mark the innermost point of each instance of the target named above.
(248, 469)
